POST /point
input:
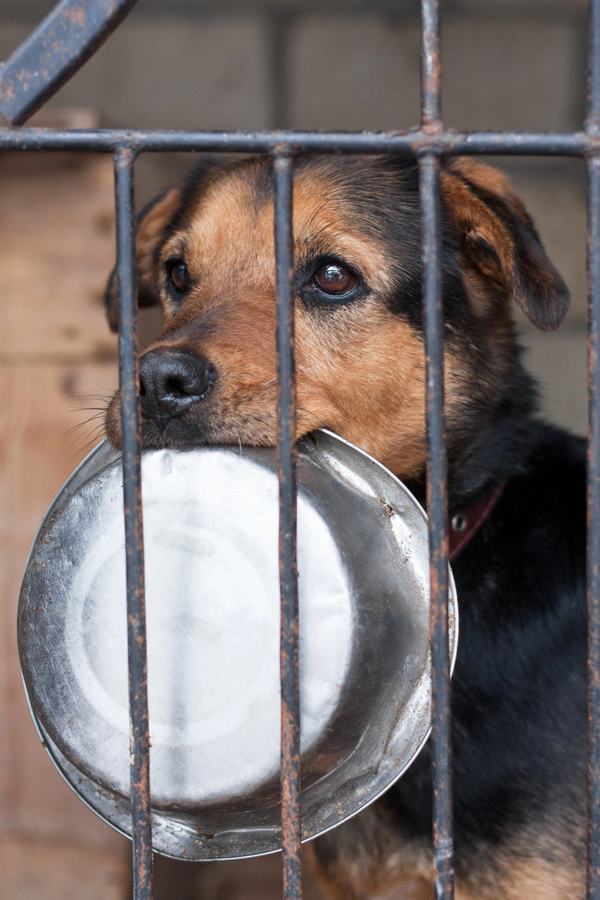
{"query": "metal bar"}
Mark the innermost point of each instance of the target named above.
(58, 47)
(437, 474)
(288, 573)
(413, 142)
(431, 99)
(593, 549)
(437, 505)
(593, 469)
(141, 822)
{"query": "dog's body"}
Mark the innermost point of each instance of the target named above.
(205, 251)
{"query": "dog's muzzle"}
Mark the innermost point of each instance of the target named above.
(171, 382)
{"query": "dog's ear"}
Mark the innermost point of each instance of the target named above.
(151, 224)
(498, 240)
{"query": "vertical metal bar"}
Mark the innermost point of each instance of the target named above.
(593, 473)
(593, 547)
(431, 104)
(437, 490)
(437, 505)
(141, 822)
(288, 573)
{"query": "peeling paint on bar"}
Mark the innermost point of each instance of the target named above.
(402, 142)
(58, 47)
(437, 469)
(288, 571)
(593, 499)
(141, 818)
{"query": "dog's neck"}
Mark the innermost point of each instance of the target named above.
(496, 451)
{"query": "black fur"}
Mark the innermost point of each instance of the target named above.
(519, 688)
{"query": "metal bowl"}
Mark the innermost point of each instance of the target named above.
(210, 526)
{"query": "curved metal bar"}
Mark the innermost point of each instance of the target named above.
(58, 47)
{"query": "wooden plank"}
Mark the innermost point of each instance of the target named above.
(56, 250)
(56, 357)
(37, 454)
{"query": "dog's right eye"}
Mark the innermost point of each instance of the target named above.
(178, 275)
(335, 279)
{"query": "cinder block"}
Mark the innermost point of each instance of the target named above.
(12, 35)
(558, 361)
(555, 197)
(540, 7)
(512, 74)
(206, 73)
(354, 72)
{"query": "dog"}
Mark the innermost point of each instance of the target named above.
(205, 252)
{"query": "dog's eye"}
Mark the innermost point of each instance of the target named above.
(333, 278)
(179, 276)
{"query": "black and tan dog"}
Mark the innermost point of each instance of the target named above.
(205, 252)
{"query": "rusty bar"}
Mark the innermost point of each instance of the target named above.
(593, 559)
(431, 91)
(409, 143)
(437, 488)
(141, 821)
(58, 47)
(288, 573)
(437, 505)
(593, 469)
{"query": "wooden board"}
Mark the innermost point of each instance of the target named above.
(56, 358)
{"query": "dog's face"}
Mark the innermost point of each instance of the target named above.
(206, 252)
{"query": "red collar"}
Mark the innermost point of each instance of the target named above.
(464, 523)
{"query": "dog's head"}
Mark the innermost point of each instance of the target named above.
(205, 252)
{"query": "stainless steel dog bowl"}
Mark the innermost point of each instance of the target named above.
(210, 525)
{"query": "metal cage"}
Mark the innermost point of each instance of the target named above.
(428, 143)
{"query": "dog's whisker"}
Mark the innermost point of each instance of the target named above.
(90, 438)
(312, 415)
(85, 422)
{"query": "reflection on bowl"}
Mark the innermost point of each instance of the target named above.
(212, 595)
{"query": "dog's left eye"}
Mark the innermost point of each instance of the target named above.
(179, 275)
(333, 278)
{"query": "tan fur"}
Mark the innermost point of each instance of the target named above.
(488, 226)
(523, 879)
(230, 317)
(147, 239)
(538, 863)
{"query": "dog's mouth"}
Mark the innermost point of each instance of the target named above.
(184, 404)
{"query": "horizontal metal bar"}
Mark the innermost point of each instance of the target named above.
(411, 142)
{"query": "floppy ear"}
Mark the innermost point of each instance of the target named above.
(152, 222)
(498, 240)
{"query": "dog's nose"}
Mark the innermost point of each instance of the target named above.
(171, 381)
